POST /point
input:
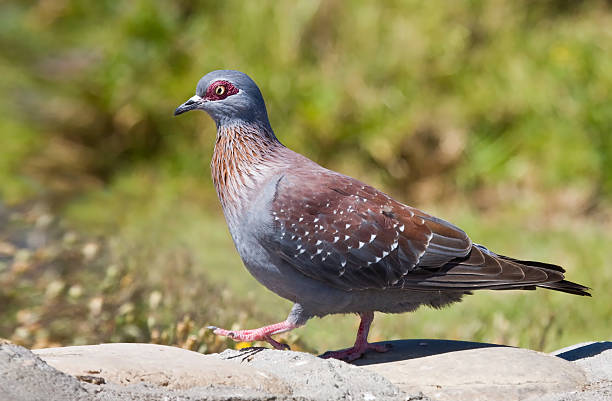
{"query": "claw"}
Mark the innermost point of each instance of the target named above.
(276, 344)
(212, 327)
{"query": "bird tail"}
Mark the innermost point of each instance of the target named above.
(482, 269)
(568, 287)
(561, 285)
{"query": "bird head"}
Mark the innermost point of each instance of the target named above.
(229, 97)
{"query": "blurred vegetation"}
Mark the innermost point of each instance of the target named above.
(495, 115)
(59, 287)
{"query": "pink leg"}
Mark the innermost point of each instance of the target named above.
(262, 333)
(361, 342)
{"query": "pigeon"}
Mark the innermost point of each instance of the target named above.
(332, 244)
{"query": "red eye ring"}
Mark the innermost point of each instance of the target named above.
(220, 90)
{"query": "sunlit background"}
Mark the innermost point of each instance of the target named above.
(495, 115)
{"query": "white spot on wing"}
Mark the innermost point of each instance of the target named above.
(372, 237)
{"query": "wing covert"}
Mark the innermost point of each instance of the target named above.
(355, 237)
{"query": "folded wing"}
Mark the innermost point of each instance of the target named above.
(354, 237)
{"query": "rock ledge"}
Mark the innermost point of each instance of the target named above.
(412, 370)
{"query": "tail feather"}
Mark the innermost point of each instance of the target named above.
(557, 285)
(533, 263)
(483, 269)
(561, 285)
(568, 287)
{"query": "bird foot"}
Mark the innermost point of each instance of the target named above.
(261, 334)
(355, 352)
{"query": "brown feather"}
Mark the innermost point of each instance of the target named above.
(354, 237)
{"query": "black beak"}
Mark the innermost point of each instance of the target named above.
(189, 105)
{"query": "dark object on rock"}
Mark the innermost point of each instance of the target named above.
(92, 379)
(331, 243)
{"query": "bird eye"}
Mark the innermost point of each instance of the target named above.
(219, 90)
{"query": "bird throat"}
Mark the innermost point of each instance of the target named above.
(244, 157)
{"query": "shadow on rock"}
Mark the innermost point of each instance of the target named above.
(411, 349)
(584, 350)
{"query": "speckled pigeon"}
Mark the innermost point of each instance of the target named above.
(330, 243)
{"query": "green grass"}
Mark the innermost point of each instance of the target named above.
(492, 114)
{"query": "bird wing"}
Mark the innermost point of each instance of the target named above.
(340, 231)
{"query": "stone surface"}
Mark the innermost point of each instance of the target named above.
(456, 370)
(25, 377)
(159, 365)
(412, 370)
(257, 372)
(595, 358)
(311, 377)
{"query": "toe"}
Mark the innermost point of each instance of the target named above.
(346, 355)
(284, 347)
(222, 332)
(276, 344)
(351, 354)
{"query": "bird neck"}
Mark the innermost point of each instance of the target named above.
(245, 155)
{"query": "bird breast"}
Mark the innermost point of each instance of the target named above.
(244, 158)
